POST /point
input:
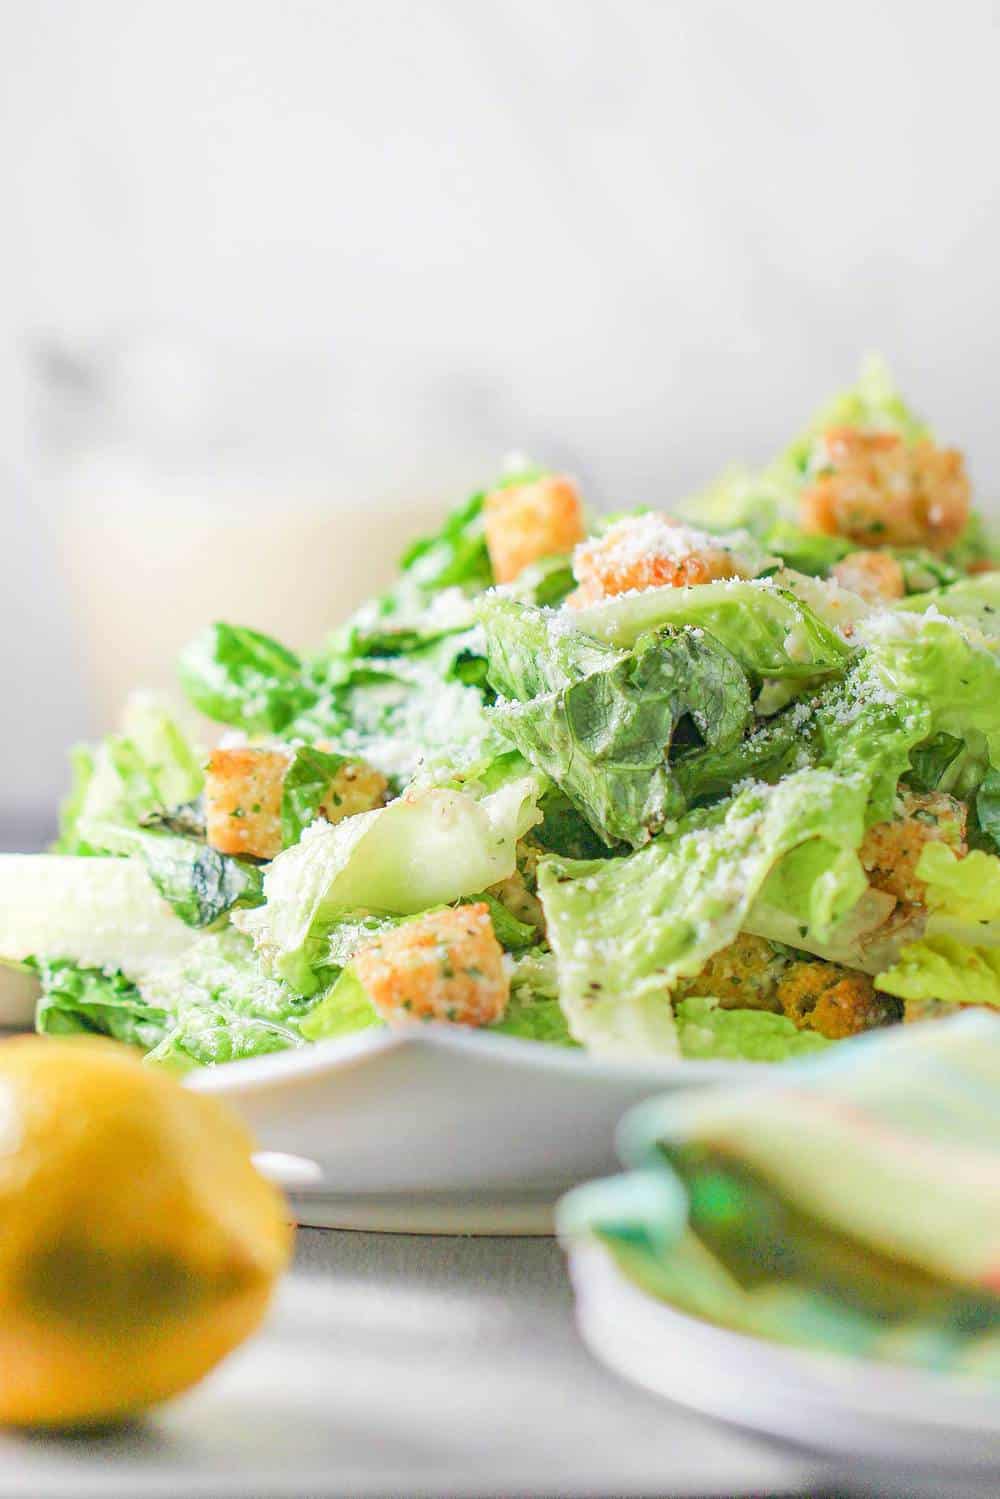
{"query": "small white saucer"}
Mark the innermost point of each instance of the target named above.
(911, 1425)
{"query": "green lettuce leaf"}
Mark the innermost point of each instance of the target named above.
(988, 808)
(305, 788)
(219, 1006)
(420, 851)
(602, 725)
(624, 931)
(770, 631)
(708, 1033)
(975, 601)
(533, 1010)
(930, 761)
(344, 1010)
(942, 968)
(79, 1001)
(238, 676)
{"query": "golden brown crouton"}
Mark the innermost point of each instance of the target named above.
(525, 522)
(877, 490)
(648, 551)
(873, 575)
(357, 787)
(834, 1001)
(243, 800)
(243, 790)
(891, 850)
(742, 976)
(446, 965)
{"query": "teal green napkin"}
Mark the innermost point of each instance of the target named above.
(853, 1205)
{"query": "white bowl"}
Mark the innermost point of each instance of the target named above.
(438, 1130)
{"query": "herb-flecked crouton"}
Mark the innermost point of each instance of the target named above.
(243, 800)
(742, 976)
(834, 1001)
(243, 791)
(446, 965)
(891, 850)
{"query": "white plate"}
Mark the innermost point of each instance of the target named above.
(919, 1423)
(438, 1130)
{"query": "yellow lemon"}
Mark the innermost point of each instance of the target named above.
(138, 1245)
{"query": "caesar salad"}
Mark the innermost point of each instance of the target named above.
(717, 779)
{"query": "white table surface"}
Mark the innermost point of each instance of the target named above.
(411, 1366)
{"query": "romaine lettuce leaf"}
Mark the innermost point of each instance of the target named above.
(305, 788)
(219, 1005)
(708, 1033)
(975, 601)
(423, 850)
(957, 959)
(942, 968)
(89, 1000)
(987, 808)
(533, 1010)
(625, 930)
(770, 631)
(343, 1010)
(239, 676)
(603, 721)
(135, 780)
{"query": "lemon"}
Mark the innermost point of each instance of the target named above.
(138, 1245)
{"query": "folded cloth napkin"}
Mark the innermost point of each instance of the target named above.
(852, 1205)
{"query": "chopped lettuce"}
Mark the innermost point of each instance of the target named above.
(770, 631)
(305, 788)
(957, 959)
(240, 677)
(603, 721)
(708, 1033)
(198, 882)
(88, 1000)
(944, 969)
(343, 1010)
(975, 601)
(533, 1010)
(210, 1004)
(135, 783)
(220, 1006)
(625, 930)
(420, 851)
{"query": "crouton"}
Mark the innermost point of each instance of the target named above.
(873, 575)
(357, 787)
(525, 522)
(649, 551)
(446, 965)
(742, 976)
(834, 1001)
(877, 490)
(243, 793)
(891, 850)
(243, 800)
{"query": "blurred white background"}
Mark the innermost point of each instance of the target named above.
(317, 255)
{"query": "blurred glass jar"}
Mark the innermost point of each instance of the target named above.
(272, 489)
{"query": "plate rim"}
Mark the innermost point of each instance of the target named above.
(342, 1052)
(596, 1277)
